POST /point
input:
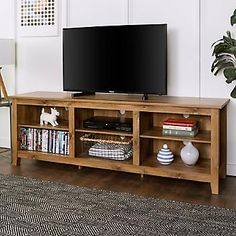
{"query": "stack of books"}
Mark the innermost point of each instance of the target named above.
(180, 127)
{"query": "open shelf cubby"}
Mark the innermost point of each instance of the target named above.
(145, 138)
(200, 171)
(29, 116)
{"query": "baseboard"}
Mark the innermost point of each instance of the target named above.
(5, 142)
(231, 169)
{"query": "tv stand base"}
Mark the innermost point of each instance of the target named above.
(76, 95)
(145, 97)
(146, 136)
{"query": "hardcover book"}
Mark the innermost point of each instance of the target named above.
(186, 133)
(179, 127)
(180, 122)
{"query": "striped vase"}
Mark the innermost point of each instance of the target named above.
(165, 156)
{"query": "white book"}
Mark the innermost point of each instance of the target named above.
(35, 139)
(45, 140)
(54, 140)
(60, 142)
(66, 143)
(50, 141)
(30, 139)
(39, 140)
(176, 127)
(57, 142)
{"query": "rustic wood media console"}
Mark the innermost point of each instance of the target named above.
(147, 117)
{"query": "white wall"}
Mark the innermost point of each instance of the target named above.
(7, 17)
(7, 30)
(39, 64)
(189, 50)
(183, 41)
(97, 12)
(215, 15)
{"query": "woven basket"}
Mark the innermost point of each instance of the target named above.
(101, 138)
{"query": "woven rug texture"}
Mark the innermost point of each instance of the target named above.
(35, 207)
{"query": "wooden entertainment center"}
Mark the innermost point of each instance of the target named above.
(147, 139)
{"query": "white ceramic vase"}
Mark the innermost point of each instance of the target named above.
(189, 154)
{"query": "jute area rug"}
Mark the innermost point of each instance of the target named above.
(35, 207)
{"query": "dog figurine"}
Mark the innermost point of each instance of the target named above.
(46, 118)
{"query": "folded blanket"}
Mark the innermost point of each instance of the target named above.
(111, 151)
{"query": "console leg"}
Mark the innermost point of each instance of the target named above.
(16, 161)
(215, 187)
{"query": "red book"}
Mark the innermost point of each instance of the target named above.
(180, 122)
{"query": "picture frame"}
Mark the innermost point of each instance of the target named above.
(37, 18)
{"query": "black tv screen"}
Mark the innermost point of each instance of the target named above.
(122, 59)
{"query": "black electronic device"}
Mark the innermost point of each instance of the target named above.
(109, 123)
(120, 59)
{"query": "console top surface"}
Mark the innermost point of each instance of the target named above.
(218, 103)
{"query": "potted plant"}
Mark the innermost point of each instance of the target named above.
(224, 51)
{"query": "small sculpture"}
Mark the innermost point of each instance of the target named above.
(165, 156)
(46, 118)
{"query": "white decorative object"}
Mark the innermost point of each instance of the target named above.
(46, 118)
(186, 116)
(189, 154)
(165, 156)
(37, 17)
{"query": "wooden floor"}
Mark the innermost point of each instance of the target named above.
(149, 186)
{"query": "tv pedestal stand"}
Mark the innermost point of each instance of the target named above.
(145, 97)
(76, 95)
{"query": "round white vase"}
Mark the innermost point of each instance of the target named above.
(189, 154)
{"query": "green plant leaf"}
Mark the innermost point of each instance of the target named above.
(222, 61)
(233, 50)
(220, 48)
(229, 34)
(220, 40)
(224, 51)
(233, 93)
(230, 74)
(224, 47)
(221, 66)
(233, 18)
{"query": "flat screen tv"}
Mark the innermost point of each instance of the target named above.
(120, 59)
